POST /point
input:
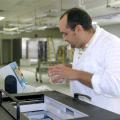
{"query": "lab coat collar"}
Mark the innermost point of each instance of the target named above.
(94, 37)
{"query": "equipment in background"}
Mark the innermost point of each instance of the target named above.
(70, 52)
(13, 77)
(51, 50)
(42, 57)
(42, 51)
(65, 54)
(46, 57)
(62, 54)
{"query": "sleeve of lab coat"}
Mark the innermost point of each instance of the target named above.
(107, 82)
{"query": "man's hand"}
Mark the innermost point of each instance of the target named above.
(59, 73)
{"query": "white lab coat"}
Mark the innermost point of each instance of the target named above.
(102, 58)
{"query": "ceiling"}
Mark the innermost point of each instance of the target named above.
(29, 15)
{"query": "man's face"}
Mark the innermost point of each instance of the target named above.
(68, 34)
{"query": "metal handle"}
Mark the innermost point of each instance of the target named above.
(76, 96)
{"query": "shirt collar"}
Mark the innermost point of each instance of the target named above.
(93, 39)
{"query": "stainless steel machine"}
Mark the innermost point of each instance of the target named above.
(49, 105)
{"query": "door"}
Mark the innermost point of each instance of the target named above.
(6, 51)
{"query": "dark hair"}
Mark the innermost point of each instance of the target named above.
(77, 16)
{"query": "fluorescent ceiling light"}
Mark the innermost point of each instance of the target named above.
(10, 29)
(37, 28)
(10, 32)
(42, 28)
(1, 18)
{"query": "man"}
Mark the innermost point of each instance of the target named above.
(96, 72)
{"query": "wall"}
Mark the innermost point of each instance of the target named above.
(10, 50)
(114, 28)
(6, 51)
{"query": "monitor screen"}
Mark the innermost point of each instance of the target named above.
(17, 71)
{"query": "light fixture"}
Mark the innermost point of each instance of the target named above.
(42, 27)
(1, 18)
(11, 29)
